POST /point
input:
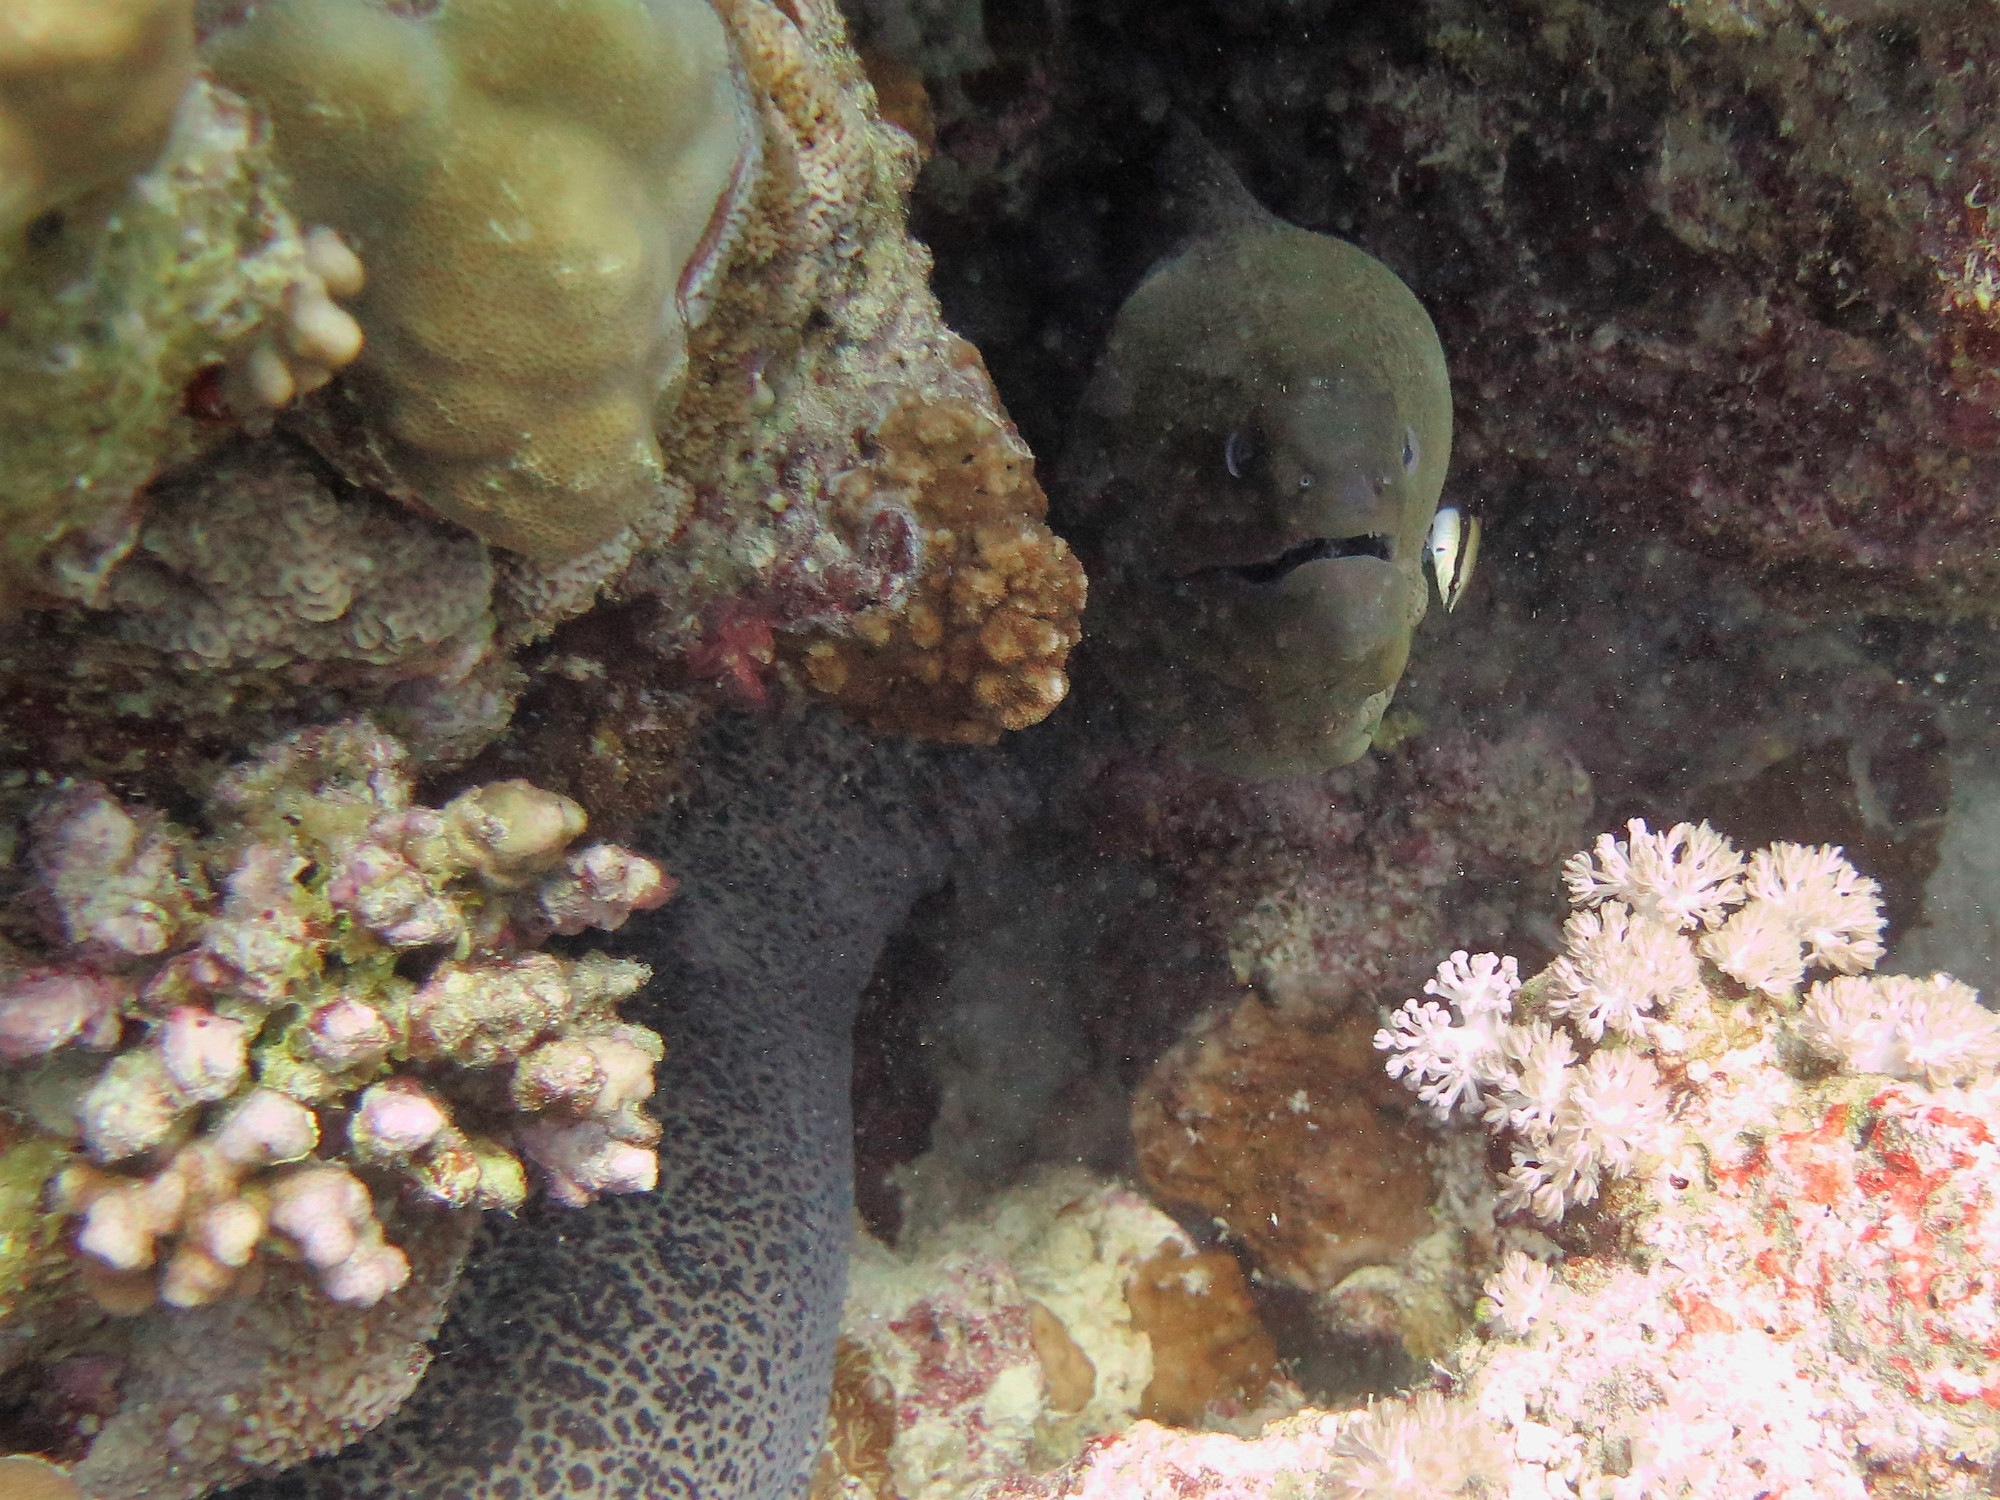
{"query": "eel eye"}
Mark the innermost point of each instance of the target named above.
(1410, 453)
(1237, 451)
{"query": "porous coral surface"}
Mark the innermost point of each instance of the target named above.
(88, 92)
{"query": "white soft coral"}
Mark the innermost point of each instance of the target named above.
(1619, 967)
(1448, 1056)
(1688, 876)
(1934, 1029)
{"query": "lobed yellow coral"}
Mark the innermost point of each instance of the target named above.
(980, 646)
(88, 91)
(538, 191)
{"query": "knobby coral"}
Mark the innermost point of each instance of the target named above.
(223, 1038)
(979, 645)
(114, 314)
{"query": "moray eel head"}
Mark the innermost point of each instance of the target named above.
(1252, 478)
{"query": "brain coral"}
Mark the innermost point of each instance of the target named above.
(541, 198)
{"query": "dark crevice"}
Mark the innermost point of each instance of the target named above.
(1316, 550)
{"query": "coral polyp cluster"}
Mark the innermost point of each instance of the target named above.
(1788, 1280)
(979, 646)
(262, 1037)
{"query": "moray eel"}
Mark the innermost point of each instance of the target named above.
(1250, 482)
(678, 1345)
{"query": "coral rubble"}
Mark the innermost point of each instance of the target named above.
(996, 1346)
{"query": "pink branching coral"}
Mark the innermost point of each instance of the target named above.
(260, 1038)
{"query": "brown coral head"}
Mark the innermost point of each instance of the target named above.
(981, 644)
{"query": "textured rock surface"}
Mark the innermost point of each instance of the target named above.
(997, 1344)
(683, 1343)
(1723, 270)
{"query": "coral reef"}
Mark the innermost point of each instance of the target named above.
(116, 313)
(999, 1344)
(542, 206)
(227, 1083)
(1765, 1263)
(1785, 1283)
(796, 415)
(979, 647)
(799, 847)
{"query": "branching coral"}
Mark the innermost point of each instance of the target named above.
(270, 1069)
(542, 198)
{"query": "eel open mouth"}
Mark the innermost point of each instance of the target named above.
(1317, 549)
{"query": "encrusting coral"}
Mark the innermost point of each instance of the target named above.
(543, 204)
(217, 1031)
